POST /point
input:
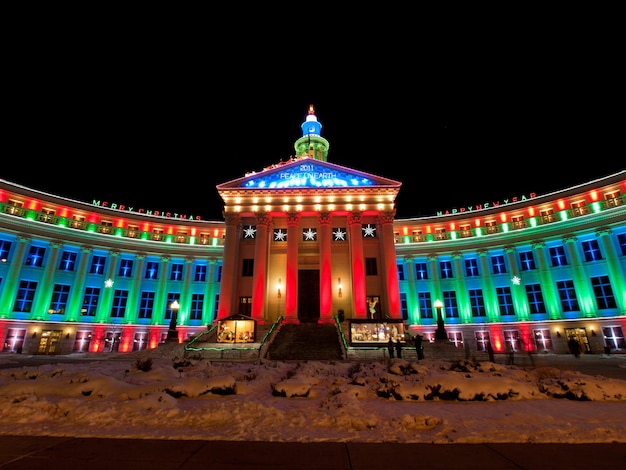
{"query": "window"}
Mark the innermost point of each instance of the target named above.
(497, 264)
(5, 248)
(371, 268)
(126, 268)
(120, 299)
(543, 339)
(340, 234)
(511, 340)
(517, 221)
(200, 273)
(465, 230)
(25, 296)
(157, 234)
(133, 231)
(471, 267)
(68, 261)
(482, 339)
(152, 270)
(621, 241)
(535, 298)
(146, 305)
(425, 304)
(505, 300)
(15, 339)
(216, 305)
(440, 234)
(35, 256)
(248, 267)
(445, 269)
(557, 255)
(106, 227)
(477, 302)
(140, 341)
(400, 268)
(404, 305)
(176, 273)
(491, 226)
(603, 292)
(171, 297)
(181, 237)
(82, 341)
(197, 303)
(418, 236)
(421, 271)
(613, 337)
(567, 294)
(579, 208)
(456, 337)
(78, 221)
(547, 215)
(58, 303)
(218, 273)
(450, 307)
(591, 250)
(249, 232)
(97, 265)
(90, 301)
(527, 260)
(613, 199)
(280, 235)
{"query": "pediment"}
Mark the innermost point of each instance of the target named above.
(308, 173)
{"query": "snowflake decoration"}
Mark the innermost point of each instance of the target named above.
(249, 231)
(309, 234)
(369, 231)
(339, 234)
(280, 235)
(108, 283)
(516, 280)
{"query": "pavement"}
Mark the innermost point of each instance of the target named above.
(50, 453)
(33, 453)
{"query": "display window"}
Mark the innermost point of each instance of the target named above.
(237, 329)
(368, 332)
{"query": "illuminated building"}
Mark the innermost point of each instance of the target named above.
(304, 241)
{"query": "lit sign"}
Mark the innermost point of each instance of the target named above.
(487, 205)
(122, 207)
(307, 175)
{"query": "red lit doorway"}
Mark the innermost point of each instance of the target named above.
(308, 296)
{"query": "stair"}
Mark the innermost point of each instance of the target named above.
(306, 342)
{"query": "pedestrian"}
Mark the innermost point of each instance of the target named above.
(390, 348)
(574, 347)
(510, 354)
(398, 348)
(419, 349)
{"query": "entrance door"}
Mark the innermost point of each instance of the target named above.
(308, 296)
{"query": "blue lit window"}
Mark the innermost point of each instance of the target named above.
(201, 273)
(557, 255)
(90, 301)
(445, 270)
(197, 302)
(603, 292)
(477, 302)
(25, 296)
(5, 247)
(425, 304)
(498, 265)
(118, 306)
(621, 241)
(152, 270)
(591, 249)
(97, 265)
(450, 306)
(471, 267)
(421, 271)
(535, 298)
(146, 305)
(505, 300)
(60, 295)
(126, 268)
(176, 274)
(527, 260)
(35, 256)
(68, 261)
(567, 294)
(171, 297)
(400, 268)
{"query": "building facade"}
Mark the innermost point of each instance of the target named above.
(309, 241)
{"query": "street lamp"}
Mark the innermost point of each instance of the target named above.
(440, 333)
(171, 333)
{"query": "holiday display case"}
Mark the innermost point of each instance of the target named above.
(236, 329)
(376, 332)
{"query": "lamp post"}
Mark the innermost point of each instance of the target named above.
(440, 333)
(172, 334)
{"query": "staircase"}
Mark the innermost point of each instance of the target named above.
(306, 342)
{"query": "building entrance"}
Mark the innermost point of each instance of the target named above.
(308, 296)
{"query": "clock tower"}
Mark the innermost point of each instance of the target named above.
(312, 144)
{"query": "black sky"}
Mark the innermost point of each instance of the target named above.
(158, 124)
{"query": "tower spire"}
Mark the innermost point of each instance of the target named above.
(312, 144)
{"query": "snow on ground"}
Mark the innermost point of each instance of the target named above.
(388, 400)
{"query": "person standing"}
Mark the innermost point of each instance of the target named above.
(419, 349)
(390, 348)
(490, 352)
(398, 345)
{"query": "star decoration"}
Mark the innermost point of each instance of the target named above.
(249, 231)
(516, 280)
(369, 231)
(309, 234)
(339, 234)
(280, 235)
(108, 283)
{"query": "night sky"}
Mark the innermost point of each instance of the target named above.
(159, 127)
